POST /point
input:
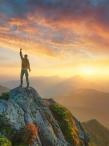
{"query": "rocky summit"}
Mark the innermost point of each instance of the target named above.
(26, 119)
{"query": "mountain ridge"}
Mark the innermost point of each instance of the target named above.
(87, 103)
(99, 134)
(24, 109)
(81, 108)
(3, 89)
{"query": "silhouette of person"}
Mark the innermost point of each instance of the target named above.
(24, 68)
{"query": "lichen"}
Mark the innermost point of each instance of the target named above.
(4, 141)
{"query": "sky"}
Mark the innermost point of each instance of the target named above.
(62, 37)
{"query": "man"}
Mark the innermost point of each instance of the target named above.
(25, 68)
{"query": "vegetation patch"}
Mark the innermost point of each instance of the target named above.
(22, 137)
(4, 141)
(64, 118)
(26, 136)
(6, 129)
(5, 96)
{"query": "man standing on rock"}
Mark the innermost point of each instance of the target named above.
(24, 69)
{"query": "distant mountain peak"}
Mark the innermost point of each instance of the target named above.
(93, 121)
(99, 135)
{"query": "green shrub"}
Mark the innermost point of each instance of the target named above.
(5, 96)
(4, 141)
(26, 136)
(6, 129)
(62, 116)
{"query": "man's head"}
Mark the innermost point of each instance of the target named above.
(25, 56)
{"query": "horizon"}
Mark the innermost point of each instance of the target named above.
(85, 102)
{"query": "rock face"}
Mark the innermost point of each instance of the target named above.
(25, 106)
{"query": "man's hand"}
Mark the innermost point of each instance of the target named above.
(21, 53)
(29, 70)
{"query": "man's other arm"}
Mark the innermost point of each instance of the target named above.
(29, 66)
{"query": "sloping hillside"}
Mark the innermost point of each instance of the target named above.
(99, 135)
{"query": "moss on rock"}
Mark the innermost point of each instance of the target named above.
(4, 141)
(65, 120)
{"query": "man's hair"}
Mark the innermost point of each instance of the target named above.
(25, 55)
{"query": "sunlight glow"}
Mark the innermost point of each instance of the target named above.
(87, 71)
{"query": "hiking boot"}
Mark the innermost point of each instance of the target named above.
(27, 85)
(20, 86)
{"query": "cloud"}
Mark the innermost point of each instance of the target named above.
(53, 27)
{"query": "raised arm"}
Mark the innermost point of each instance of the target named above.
(21, 55)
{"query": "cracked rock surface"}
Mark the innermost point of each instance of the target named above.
(26, 106)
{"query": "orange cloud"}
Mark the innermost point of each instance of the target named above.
(55, 38)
